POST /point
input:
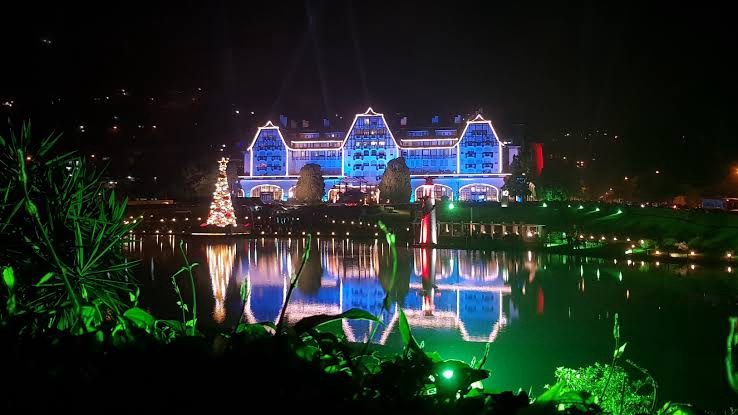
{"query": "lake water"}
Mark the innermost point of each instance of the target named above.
(539, 311)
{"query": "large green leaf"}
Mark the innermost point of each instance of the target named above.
(252, 330)
(9, 278)
(407, 335)
(139, 317)
(309, 323)
(44, 279)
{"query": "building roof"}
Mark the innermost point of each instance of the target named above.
(439, 133)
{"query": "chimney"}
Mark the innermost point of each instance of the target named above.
(326, 123)
(293, 124)
(457, 119)
(403, 121)
(434, 120)
(283, 120)
(305, 124)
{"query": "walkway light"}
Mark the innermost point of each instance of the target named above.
(451, 206)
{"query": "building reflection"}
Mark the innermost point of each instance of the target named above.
(439, 289)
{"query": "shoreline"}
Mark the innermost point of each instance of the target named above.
(472, 244)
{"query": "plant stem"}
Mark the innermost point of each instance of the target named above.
(50, 245)
(622, 397)
(293, 284)
(192, 283)
(612, 369)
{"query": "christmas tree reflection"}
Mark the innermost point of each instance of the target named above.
(220, 263)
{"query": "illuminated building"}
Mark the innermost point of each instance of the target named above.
(467, 159)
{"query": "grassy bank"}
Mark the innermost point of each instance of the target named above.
(711, 233)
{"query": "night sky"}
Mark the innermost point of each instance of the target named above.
(662, 77)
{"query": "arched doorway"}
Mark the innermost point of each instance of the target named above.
(333, 195)
(267, 192)
(440, 190)
(479, 192)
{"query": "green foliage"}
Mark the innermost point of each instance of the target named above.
(312, 322)
(517, 183)
(140, 318)
(624, 396)
(310, 187)
(61, 232)
(395, 183)
(730, 360)
(187, 268)
(558, 181)
(608, 386)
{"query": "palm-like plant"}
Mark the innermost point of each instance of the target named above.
(62, 233)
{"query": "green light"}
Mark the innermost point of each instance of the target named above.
(568, 205)
(620, 211)
(451, 205)
(580, 207)
(448, 373)
(544, 204)
(597, 209)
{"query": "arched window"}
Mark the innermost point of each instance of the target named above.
(479, 192)
(267, 192)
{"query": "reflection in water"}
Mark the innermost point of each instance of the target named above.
(440, 289)
(220, 263)
(540, 310)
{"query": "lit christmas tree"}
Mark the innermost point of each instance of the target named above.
(221, 209)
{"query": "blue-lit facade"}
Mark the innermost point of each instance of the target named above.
(467, 159)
